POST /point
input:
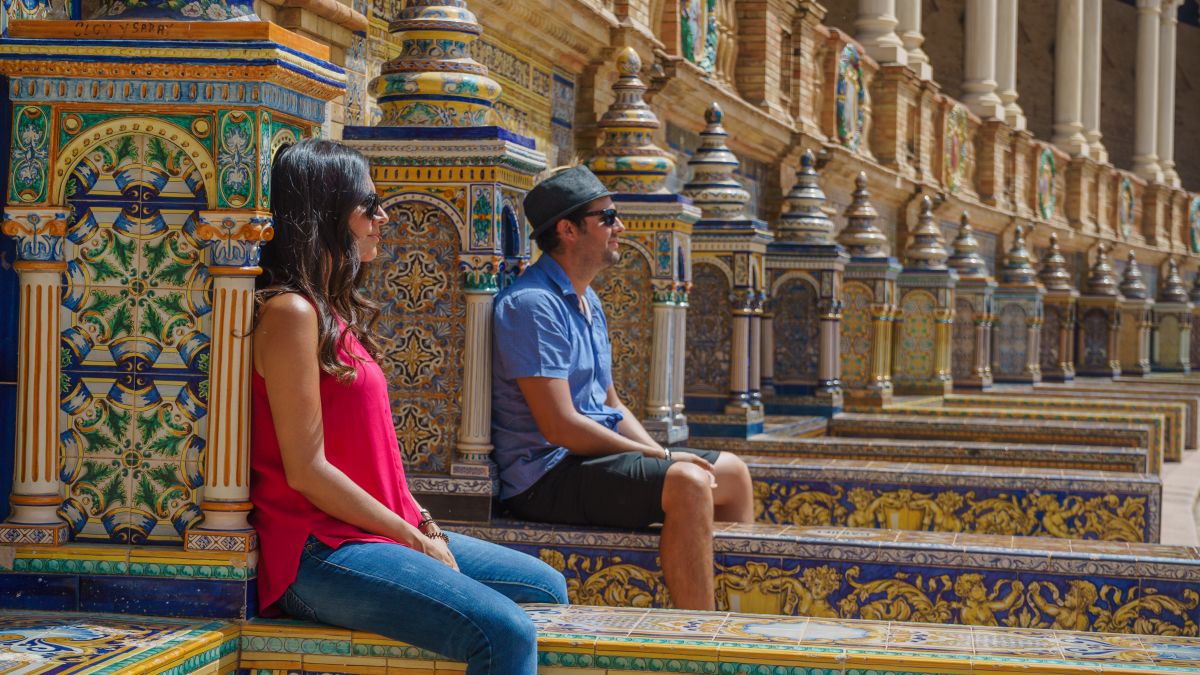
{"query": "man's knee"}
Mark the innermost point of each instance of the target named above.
(686, 485)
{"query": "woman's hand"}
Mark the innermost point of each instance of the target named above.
(439, 551)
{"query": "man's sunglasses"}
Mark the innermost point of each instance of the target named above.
(608, 217)
(372, 204)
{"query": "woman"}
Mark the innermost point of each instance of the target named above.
(342, 540)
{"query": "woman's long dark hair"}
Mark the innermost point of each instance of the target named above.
(315, 187)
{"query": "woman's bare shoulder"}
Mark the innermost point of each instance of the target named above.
(286, 313)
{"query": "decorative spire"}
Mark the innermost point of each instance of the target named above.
(713, 187)
(1102, 280)
(805, 220)
(966, 258)
(434, 82)
(926, 248)
(861, 236)
(1054, 275)
(1017, 266)
(1172, 288)
(627, 159)
(1133, 286)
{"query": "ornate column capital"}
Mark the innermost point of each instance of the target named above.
(39, 231)
(234, 240)
(481, 273)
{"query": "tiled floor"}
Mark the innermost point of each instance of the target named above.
(593, 638)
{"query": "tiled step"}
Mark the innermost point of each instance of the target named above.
(1123, 391)
(1174, 414)
(1064, 503)
(975, 427)
(935, 451)
(925, 577)
(588, 641)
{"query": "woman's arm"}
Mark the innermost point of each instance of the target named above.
(285, 353)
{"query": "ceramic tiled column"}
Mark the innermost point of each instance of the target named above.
(727, 264)
(1058, 325)
(926, 288)
(37, 489)
(1136, 320)
(1018, 308)
(802, 338)
(870, 310)
(1100, 317)
(973, 312)
(1172, 324)
(234, 241)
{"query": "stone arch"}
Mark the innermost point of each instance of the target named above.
(857, 334)
(417, 281)
(1010, 344)
(797, 331)
(915, 337)
(1094, 326)
(392, 199)
(962, 364)
(77, 148)
(1052, 325)
(627, 293)
(709, 332)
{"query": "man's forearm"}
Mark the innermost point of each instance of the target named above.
(632, 429)
(589, 438)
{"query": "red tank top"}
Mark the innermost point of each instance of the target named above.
(359, 439)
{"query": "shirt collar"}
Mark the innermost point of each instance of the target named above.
(556, 274)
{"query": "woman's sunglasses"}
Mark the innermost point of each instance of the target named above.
(372, 204)
(608, 217)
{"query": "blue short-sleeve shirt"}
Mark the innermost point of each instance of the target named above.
(540, 331)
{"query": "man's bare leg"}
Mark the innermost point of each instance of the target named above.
(686, 545)
(733, 498)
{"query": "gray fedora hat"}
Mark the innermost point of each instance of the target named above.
(561, 194)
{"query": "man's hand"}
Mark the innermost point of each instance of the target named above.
(685, 456)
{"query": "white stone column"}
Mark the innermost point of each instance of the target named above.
(767, 354)
(1092, 30)
(755, 379)
(1166, 92)
(234, 240)
(1006, 62)
(979, 85)
(679, 327)
(1068, 79)
(908, 17)
(829, 363)
(658, 398)
(739, 357)
(875, 28)
(36, 487)
(1145, 137)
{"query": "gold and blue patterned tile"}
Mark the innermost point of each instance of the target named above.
(740, 628)
(568, 619)
(1103, 647)
(692, 625)
(989, 641)
(1172, 651)
(845, 633)
(929, 637)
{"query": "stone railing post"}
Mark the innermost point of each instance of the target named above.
(474, 447)
(234, 242)
(37, 487)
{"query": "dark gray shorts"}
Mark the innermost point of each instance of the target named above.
(622, 490)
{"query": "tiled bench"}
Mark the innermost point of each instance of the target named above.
(1133, 390)
(926, 577)
(589, 641)
(1174, 414)
(1065, 503)
(994, 429)
(935, 451)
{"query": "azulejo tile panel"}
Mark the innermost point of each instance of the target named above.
(135, 321)
(915, 339)
(418, 285)
(857, 335)
(797, 341)
(709, 331)
(895, 576)
(1052, 505)
(963, 364)
(626, 294)
(1011, 339)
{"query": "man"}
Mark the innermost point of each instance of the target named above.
(568, 449)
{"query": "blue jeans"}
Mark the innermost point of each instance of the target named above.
(406, 595)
